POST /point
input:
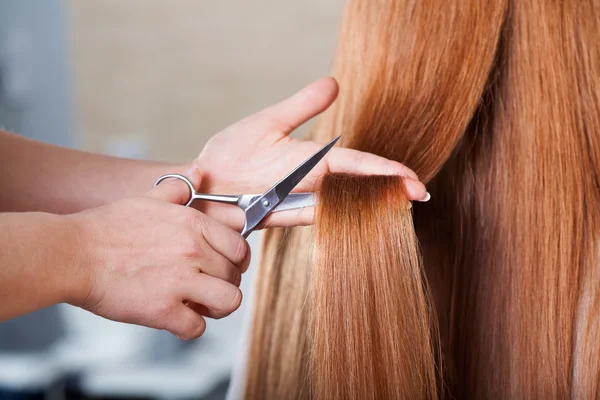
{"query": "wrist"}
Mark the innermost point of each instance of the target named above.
(77, 276)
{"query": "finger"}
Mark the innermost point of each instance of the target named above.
(305, 216)
(232, 217)
(174, 190)
(205, 311)
(416, 190)
(302, 106)
(185, 323)
(298, 217)
(357, 162)
(225, 215)
(214, 264)
(220, 296)
(227, 242)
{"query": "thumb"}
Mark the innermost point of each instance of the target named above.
(289, 114)
(176, 191)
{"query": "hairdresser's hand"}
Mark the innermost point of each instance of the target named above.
(147, 258)
(253, 154)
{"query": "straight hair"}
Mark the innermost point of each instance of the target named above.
(496, 106)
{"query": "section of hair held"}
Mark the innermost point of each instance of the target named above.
(371, 313)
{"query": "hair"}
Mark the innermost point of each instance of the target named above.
(496, 106)
(383, 342)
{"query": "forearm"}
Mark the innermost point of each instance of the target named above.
(40, 177)
(41, 262)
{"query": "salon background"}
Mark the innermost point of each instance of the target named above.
(142, 79)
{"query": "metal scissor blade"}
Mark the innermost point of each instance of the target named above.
(291, 202)
(297, 200)
(289, 182)
(262, 206)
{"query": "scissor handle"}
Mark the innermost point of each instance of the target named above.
(218, 198)
(181, 178)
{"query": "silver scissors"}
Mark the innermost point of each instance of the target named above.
(257, 206)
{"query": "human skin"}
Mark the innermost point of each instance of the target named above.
(88, 230)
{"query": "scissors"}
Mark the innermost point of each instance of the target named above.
(257, 206)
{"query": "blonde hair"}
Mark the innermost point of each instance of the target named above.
(496, 106)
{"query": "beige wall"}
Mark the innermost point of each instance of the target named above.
(172, 73)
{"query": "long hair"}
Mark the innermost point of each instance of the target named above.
(496, 106)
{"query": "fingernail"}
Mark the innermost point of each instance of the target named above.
(426, 198)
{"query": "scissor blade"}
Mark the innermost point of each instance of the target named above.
(297, 200)
(291, 202)
(289, 182)
(262, 206)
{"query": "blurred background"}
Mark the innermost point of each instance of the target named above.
(142, 79)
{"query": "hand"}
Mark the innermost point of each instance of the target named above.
(253, 154)
(158, 264)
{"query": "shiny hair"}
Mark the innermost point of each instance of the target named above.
(496, 106)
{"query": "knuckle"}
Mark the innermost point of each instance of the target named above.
(229, 300)
(233, 275)
(232, 301)
(180, 277)
(281, 125)
(172, 184)
(246, 261)
(392, 168)
(236, 278)
(194, 331)
(161, 313)
(242, 250)
(359, 160)
(190, 247)
(192, 217)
